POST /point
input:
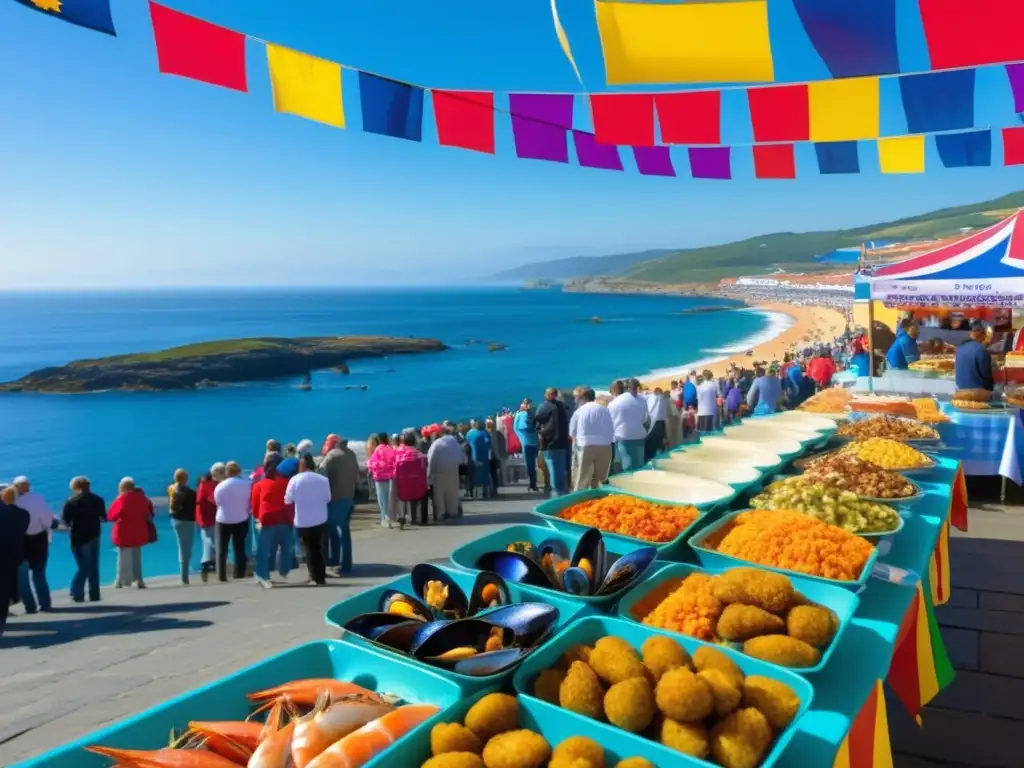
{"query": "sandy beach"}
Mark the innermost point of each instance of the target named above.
(809, 324)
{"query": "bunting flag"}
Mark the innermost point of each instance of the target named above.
(970, 149)
(938, 101)
(693, 117)
(920, 667)
(623, 118)
(901, 154)
(1015, 72)
(967, 34)
(844, 110)
(654, 161)
(540, 123)
(196, 49)
(685, 43)
(1013, 145)
(592, 154)
(91, 14)
(866, 745)
(836, 157)
(853, 38)
(306, 86)
(465, 119)
(938, 568)
(779, 113)
(391, 107)
(774, 161)
(563, 40)
(958, 497)
(709, 162)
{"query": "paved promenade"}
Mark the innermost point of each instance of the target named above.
(69, 672)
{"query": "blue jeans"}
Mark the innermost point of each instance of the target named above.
(185, 533)
(87, 557)
(630, 454)
(482, 478)
(556, 461)
(30, 576)
(339, 535)
(275, 544)
(209, 557)
(383, 493)
(530, 457)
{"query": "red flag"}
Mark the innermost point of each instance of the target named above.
(774, 161)
(690, 118)
(958, 500)
(1013, 145)
(623, 118)
(196, 49)
(780, 113)
(968, 34)
(465, 119)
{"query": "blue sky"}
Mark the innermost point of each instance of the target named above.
(112, 174)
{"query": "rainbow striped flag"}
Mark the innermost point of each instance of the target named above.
(867, 743)
(958, 500)
(938, 568)
(920, 667)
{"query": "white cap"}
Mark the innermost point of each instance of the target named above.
(19, 480)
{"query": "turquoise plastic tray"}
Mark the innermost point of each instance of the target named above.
(367, 601)
(715, 560)
(842, 601)
(225, 699)
(591, 629)
(548, 511)
(555, 725)
(465, 557)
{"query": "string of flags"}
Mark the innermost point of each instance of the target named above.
(833, 115)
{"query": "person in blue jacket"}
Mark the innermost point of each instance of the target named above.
(526, 431)
(479, 443)
(690, 391)
(904, 350)
(973, 361)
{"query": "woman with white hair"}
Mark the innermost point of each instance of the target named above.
(132, 516)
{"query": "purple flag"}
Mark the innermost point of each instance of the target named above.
(654, 161)
(540, 122)
(1016, 74)
(710, 162)
(593, 155)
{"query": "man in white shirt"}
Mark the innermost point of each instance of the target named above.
(310, 493)
(592, 432)
(232, 497)
(657, 415)
(629, 414)
(443, 459)
(32, 572)
(707, 402)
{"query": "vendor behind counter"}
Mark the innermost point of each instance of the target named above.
(904, 349)
(974, 362)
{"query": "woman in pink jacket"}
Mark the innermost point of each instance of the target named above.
(381, 466)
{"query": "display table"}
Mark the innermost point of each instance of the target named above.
(978, 439)
(899, 383)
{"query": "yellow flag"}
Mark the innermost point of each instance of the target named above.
(901, 154)
(306, 86)
(563, 40)
(844, 110)
(689, 43)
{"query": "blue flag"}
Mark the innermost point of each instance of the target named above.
(92, 14)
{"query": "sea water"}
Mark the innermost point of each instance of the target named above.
(552, 339)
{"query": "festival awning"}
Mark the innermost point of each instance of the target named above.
(984, 268)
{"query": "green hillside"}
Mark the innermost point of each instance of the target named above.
(797, 250)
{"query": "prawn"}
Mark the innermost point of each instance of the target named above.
(233, 739)
(361, 746)
(306, 692)
(330, 721)
(164, 758)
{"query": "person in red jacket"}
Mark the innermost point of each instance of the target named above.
(206, 517)
(274, 521)
(821, 369)
(132, 516)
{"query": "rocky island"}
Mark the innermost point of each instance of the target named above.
(206, 364)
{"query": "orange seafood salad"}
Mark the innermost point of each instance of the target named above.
(631, 516)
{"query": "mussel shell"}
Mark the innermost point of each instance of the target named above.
(392, 595)
(476, 598)
(456, 607)
(490, 663)
(576, 582)
(368, 624)
(425, 632)
(627, 570)
(515, 567)
(555, 547)
(591, 547)
(455, 634)
(397, 636)
(531, 622)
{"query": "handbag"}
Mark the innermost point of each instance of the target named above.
(151, 526)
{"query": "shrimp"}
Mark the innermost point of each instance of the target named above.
(361, 746)
(235, 740)
(275, 750)
(329, 722)
(164, 758)
(306, 692)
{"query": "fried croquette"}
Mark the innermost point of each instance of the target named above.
(630, 704)
(799, 598)
(495, 713)
(740, 622)
(751, 586)
(783, 650)
(454, 737)
(615, 660)
(577, 653)
(813, 624)
(741, 739)
(455, 760)
(634, 762)
(576, 747)
(775, 700)
(573, 762)
(660, 654)
(723, 687)
(688, 738)
(581, 691)
(547, 683)
(683, 696)
(517, 749)
(707, 657)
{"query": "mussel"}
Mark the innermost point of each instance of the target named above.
(489, 591)
(439, 592)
